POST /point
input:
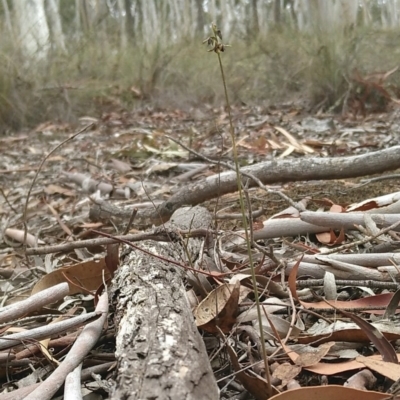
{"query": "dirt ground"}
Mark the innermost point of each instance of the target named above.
(48, 182)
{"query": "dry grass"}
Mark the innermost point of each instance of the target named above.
(96, 75)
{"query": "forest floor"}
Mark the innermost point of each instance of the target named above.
(128, 159)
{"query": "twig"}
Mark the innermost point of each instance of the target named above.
(25, 215)
(349, 282)
(6, 199)
(253, 214)
(80, 244)
(132, 217)
(377, 179)
(363, 241)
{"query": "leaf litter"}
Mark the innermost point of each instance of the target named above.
(326, 275)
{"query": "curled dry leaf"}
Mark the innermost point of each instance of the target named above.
(120, 166)
(330, 238)
(218, 309)
(363, 380)
(311, 358)
(192, 299)
(112, 257)
(330, 289)
(273, 325)
(82, 278)
(56, 189)
(392, 306)
(251, 313)
(329, 392)
(285, 372)
(377, 338)
(292, 212)
(385, 368)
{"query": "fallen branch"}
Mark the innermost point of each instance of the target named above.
(34, 302)
(43, 332)
(333, 220)
(370, 260)
(288, 170)
(80, 244)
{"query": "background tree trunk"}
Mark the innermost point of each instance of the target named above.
(33, 28)
(57, 36)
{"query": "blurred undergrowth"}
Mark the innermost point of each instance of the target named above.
(95, 76)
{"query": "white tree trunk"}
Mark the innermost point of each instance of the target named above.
(122, 18)
(7, 17)
(33, 30)
(53, 9)
(77, 18)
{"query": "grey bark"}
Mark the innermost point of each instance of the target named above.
(277, 13)
(84, 15)
(256, 25)
(54, 17)
(288, 170)
(160, 352)
(123, 23)
(129, 19)
(7, 18)
(33, 29)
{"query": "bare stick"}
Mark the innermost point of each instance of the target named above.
(25, 216)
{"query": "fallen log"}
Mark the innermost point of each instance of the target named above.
(269, 172)
(160, 353)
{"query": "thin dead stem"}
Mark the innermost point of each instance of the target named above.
(218, 47)
(25, 215)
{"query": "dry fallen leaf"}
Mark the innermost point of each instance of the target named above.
(56, 189)
(329, 392)
(363, 380)
(218, 309)
(286, 372)
(377, 338)
(83, 277)
(330, 238)
(385, 368)
(309, 359)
